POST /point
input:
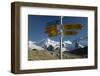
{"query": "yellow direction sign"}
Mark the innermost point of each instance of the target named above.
(72, 26)
(51, 30)
(53, 33)
(70, 32)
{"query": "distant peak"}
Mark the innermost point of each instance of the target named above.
(68, 42)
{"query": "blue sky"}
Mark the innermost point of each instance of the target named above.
(38, 23)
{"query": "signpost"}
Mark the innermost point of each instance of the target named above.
(53, 33)
(61, 37)
(72, 26)
(64, 29)
(52, 30)
(68, 33)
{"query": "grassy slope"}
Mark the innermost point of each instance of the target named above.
(42, 55)
(49, 55)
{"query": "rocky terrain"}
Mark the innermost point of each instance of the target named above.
(49, 55)
(49, 50)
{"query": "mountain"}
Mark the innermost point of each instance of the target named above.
(55, 44)
(38, 51)
(67, 42)
(32, 45)
(66, 45)
(47, 42)
(80, 51)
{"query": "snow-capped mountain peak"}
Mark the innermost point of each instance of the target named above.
(67, 42)
(32, 45)
(67, 45)
(51, 42)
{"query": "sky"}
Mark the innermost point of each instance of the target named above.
(38, 23)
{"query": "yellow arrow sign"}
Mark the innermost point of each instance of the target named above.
(70, 32)
(50, 28)
(72, 26)
(52, 33)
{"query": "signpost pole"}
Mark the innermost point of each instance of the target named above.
(61, 37)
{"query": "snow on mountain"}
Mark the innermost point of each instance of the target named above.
(67, 42)
(55, 44)
(67, 45)
(82, 46)
(32, 45)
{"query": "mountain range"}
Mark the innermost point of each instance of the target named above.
(67, 45)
